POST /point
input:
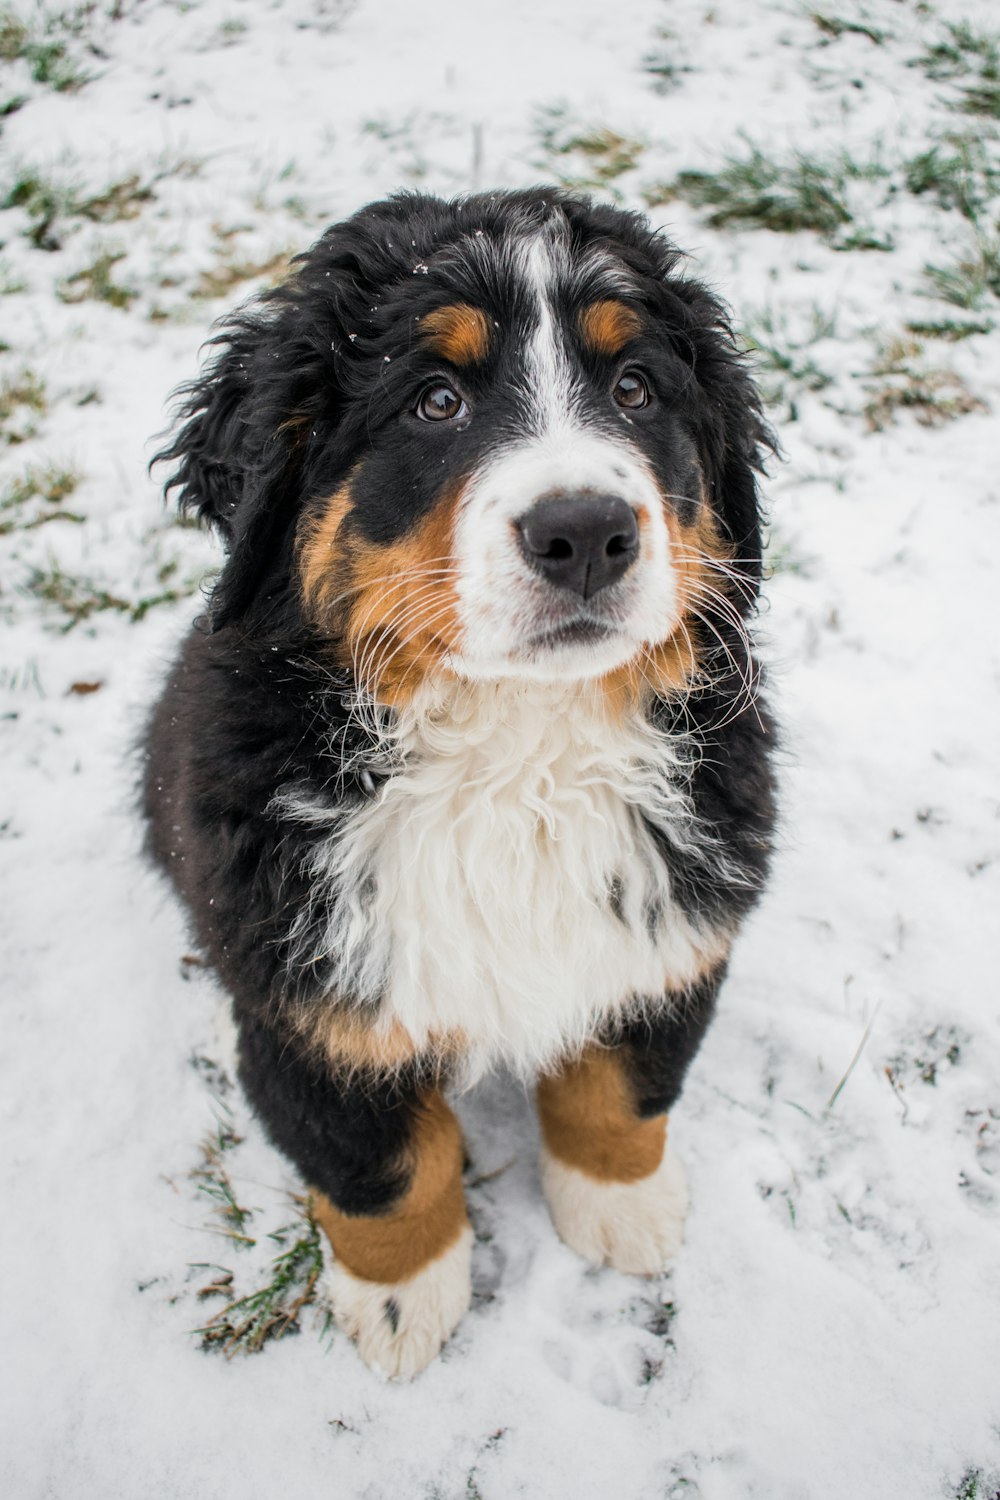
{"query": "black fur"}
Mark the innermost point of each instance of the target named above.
(658, 1046)
(348, 1142)
(301, 384)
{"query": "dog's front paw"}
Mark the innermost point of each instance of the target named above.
(400, 1327)
(632, 1226)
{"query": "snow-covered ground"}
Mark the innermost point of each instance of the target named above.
(832, 1329)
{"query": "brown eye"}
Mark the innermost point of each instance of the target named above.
(439, 403)
(631, 391)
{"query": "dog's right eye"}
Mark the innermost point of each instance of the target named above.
(439, 403)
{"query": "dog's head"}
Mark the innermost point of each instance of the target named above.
(500, 437)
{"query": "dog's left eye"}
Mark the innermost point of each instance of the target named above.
(439, 403)
(631, 391)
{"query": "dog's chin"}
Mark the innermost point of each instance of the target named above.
(577, 652)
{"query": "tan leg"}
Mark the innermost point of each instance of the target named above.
(400, 1279)
(616, 1193)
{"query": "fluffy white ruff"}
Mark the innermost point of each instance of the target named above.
(632, 1226)
(425, 1310)
(472, 894)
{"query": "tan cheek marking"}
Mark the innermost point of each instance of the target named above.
(608, 326)
(460, 333)
(670, 666)
(421, 1225)
(403, 615)
(393, 609)
(321, 561)
(589, 1120)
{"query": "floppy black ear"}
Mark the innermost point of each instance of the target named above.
(209, 447)
(238, 453)
(736, 447)
(733, 437)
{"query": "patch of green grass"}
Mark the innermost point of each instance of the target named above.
(285, 1263)
(45, 201)
(24, 679)
(50, 202)
(76, 598)
(231, 31)
(974, 1485)
(124, 198)
(274, 1310)
(951, 330)
(662, 65)
(95, 282)
(970, 58)
(960, 48)
(972, 278)
(586, 157)
(384, 128)
(959, 173)
(13, 36)
(212, 1178)
(864, 239)
(403, 136)
(46, 44)
(783, 364)
(836, 27)
(51, 485)
(11, 284)
(934, 396)
(231, 270)
(982, 98)
(22, 398)
(781, 194)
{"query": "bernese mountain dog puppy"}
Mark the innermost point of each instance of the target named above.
(468, 764)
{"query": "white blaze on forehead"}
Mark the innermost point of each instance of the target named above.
(550, 384)
(548, 380)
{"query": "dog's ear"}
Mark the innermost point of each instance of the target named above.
(238, 452)
(208, 447)
(735, 447)
(734, 438)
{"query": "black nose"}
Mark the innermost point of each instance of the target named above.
(581, 542)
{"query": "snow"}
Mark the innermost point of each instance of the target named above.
(832, 1327)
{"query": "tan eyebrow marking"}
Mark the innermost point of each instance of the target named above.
(460, 333)
(608, 326)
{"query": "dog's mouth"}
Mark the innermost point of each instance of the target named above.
(582, 631)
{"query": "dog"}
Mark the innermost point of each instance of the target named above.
(468, 763)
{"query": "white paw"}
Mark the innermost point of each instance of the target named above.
(632, 1226)
(400, 1327)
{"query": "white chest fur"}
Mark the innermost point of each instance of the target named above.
(502, 883)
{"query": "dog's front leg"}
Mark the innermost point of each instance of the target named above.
(615, 1190)
(383, 1156)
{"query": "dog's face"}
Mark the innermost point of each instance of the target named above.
(500, 438)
